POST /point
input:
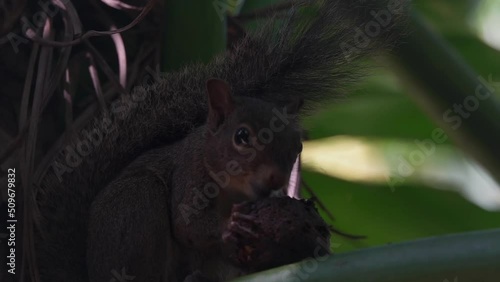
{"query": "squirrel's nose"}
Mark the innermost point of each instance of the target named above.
(268, 178)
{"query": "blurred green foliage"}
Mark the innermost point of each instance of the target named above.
(380, 108)
(384, 216)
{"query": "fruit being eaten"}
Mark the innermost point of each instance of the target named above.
(275, 231)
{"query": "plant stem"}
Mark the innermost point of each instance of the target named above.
(194, 31)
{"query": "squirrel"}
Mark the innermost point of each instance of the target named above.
(177, 198)
(147, 188)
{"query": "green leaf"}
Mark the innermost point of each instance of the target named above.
(470, 257)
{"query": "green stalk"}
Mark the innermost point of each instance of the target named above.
(194, 31)
(468, 257)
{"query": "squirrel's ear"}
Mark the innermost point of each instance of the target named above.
(220, 102)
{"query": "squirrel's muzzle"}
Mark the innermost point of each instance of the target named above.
(268, 179)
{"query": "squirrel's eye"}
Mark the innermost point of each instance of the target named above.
(242, 136)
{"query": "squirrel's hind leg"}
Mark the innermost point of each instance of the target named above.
(128, 238)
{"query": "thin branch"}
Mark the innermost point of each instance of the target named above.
(117, 38)
(91, 33)
(108, 71)
(121, 52)
(68, 93)
(13, 145)
(28, 153)
(71, 24)
(96, 82)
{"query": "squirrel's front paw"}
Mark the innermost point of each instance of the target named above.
(274, 231)
(240, 226)
(241, 236)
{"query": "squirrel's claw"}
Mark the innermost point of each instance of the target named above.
(242, 230)
(243, 217)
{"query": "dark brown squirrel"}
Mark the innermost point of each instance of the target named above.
(90, 201)
(229, 160)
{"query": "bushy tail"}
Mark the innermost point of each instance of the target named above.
(317, 50)
(311, 53)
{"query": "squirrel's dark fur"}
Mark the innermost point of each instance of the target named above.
(295, 60)
(173, 210)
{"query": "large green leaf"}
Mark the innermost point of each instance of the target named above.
(471, 257)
